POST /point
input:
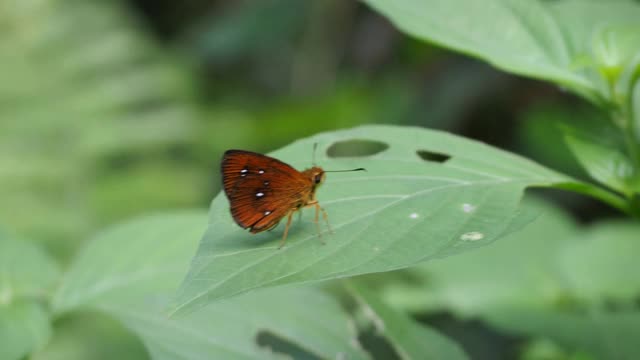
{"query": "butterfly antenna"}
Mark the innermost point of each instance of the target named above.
(358, 169)
(313, 155)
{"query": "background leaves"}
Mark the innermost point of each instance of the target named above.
(111, 109)
(27, 275)
(409, 339)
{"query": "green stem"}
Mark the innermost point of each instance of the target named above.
(628, 113)
(599, 193)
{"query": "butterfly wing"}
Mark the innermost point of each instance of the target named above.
(261, 189)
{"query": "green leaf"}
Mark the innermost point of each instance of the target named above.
(606, 335)
(607, 34)
(91, 335)
(605, 164)
(602, 263)
(307, 318)
(402, 211)
(131, 261)
(25, 270)
(24, 327)
(152, 255)
(410, 339)
(547, 264)
(518, 283)
(501, 32)
(519, 270)
(547, 40)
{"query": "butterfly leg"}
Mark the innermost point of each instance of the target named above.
(286, 230)
(317, 220)
(325, 217)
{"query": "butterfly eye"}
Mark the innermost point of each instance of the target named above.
(317, 179)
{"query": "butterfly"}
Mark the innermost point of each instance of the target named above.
(263, 190)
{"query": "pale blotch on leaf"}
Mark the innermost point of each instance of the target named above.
(472, 236)
(377, 322)
(468, 208)
(6, 295)
(413, 216)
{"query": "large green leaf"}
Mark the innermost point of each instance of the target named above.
(24, 327)
(520, 283)
(91, 335)
(25, 270)
(558, 41)
(131, 261)
(601, 264)
(605, 335)
(410, 339)
(507, 273)
(129, 269)
(236, 329)
(402, 211)
(549, 263)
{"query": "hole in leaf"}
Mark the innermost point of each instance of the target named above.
(433, 156)
(278, 344)
(356, 148)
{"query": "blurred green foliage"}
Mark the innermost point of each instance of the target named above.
(111, 109)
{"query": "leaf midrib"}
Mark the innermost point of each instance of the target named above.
(302, 240)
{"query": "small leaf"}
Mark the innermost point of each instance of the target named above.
(25, 270)
(410, 339)
(615, 49)
(404, 210)
(131, 261)
(232, 329)
(24, 327)
(605, 164)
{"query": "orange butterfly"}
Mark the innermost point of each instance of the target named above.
(263, 190)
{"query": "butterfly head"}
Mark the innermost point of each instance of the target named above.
(316, 174)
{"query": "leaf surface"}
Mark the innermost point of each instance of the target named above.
(404, 210)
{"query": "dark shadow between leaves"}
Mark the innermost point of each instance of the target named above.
(356, 148)
(277, 344)
(377, 345)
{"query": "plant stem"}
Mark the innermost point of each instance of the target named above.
(632, 134)
(601, 194)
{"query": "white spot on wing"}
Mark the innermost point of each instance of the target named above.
(267, 213)
(260, 194)
(260, 171)
(472, 236)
